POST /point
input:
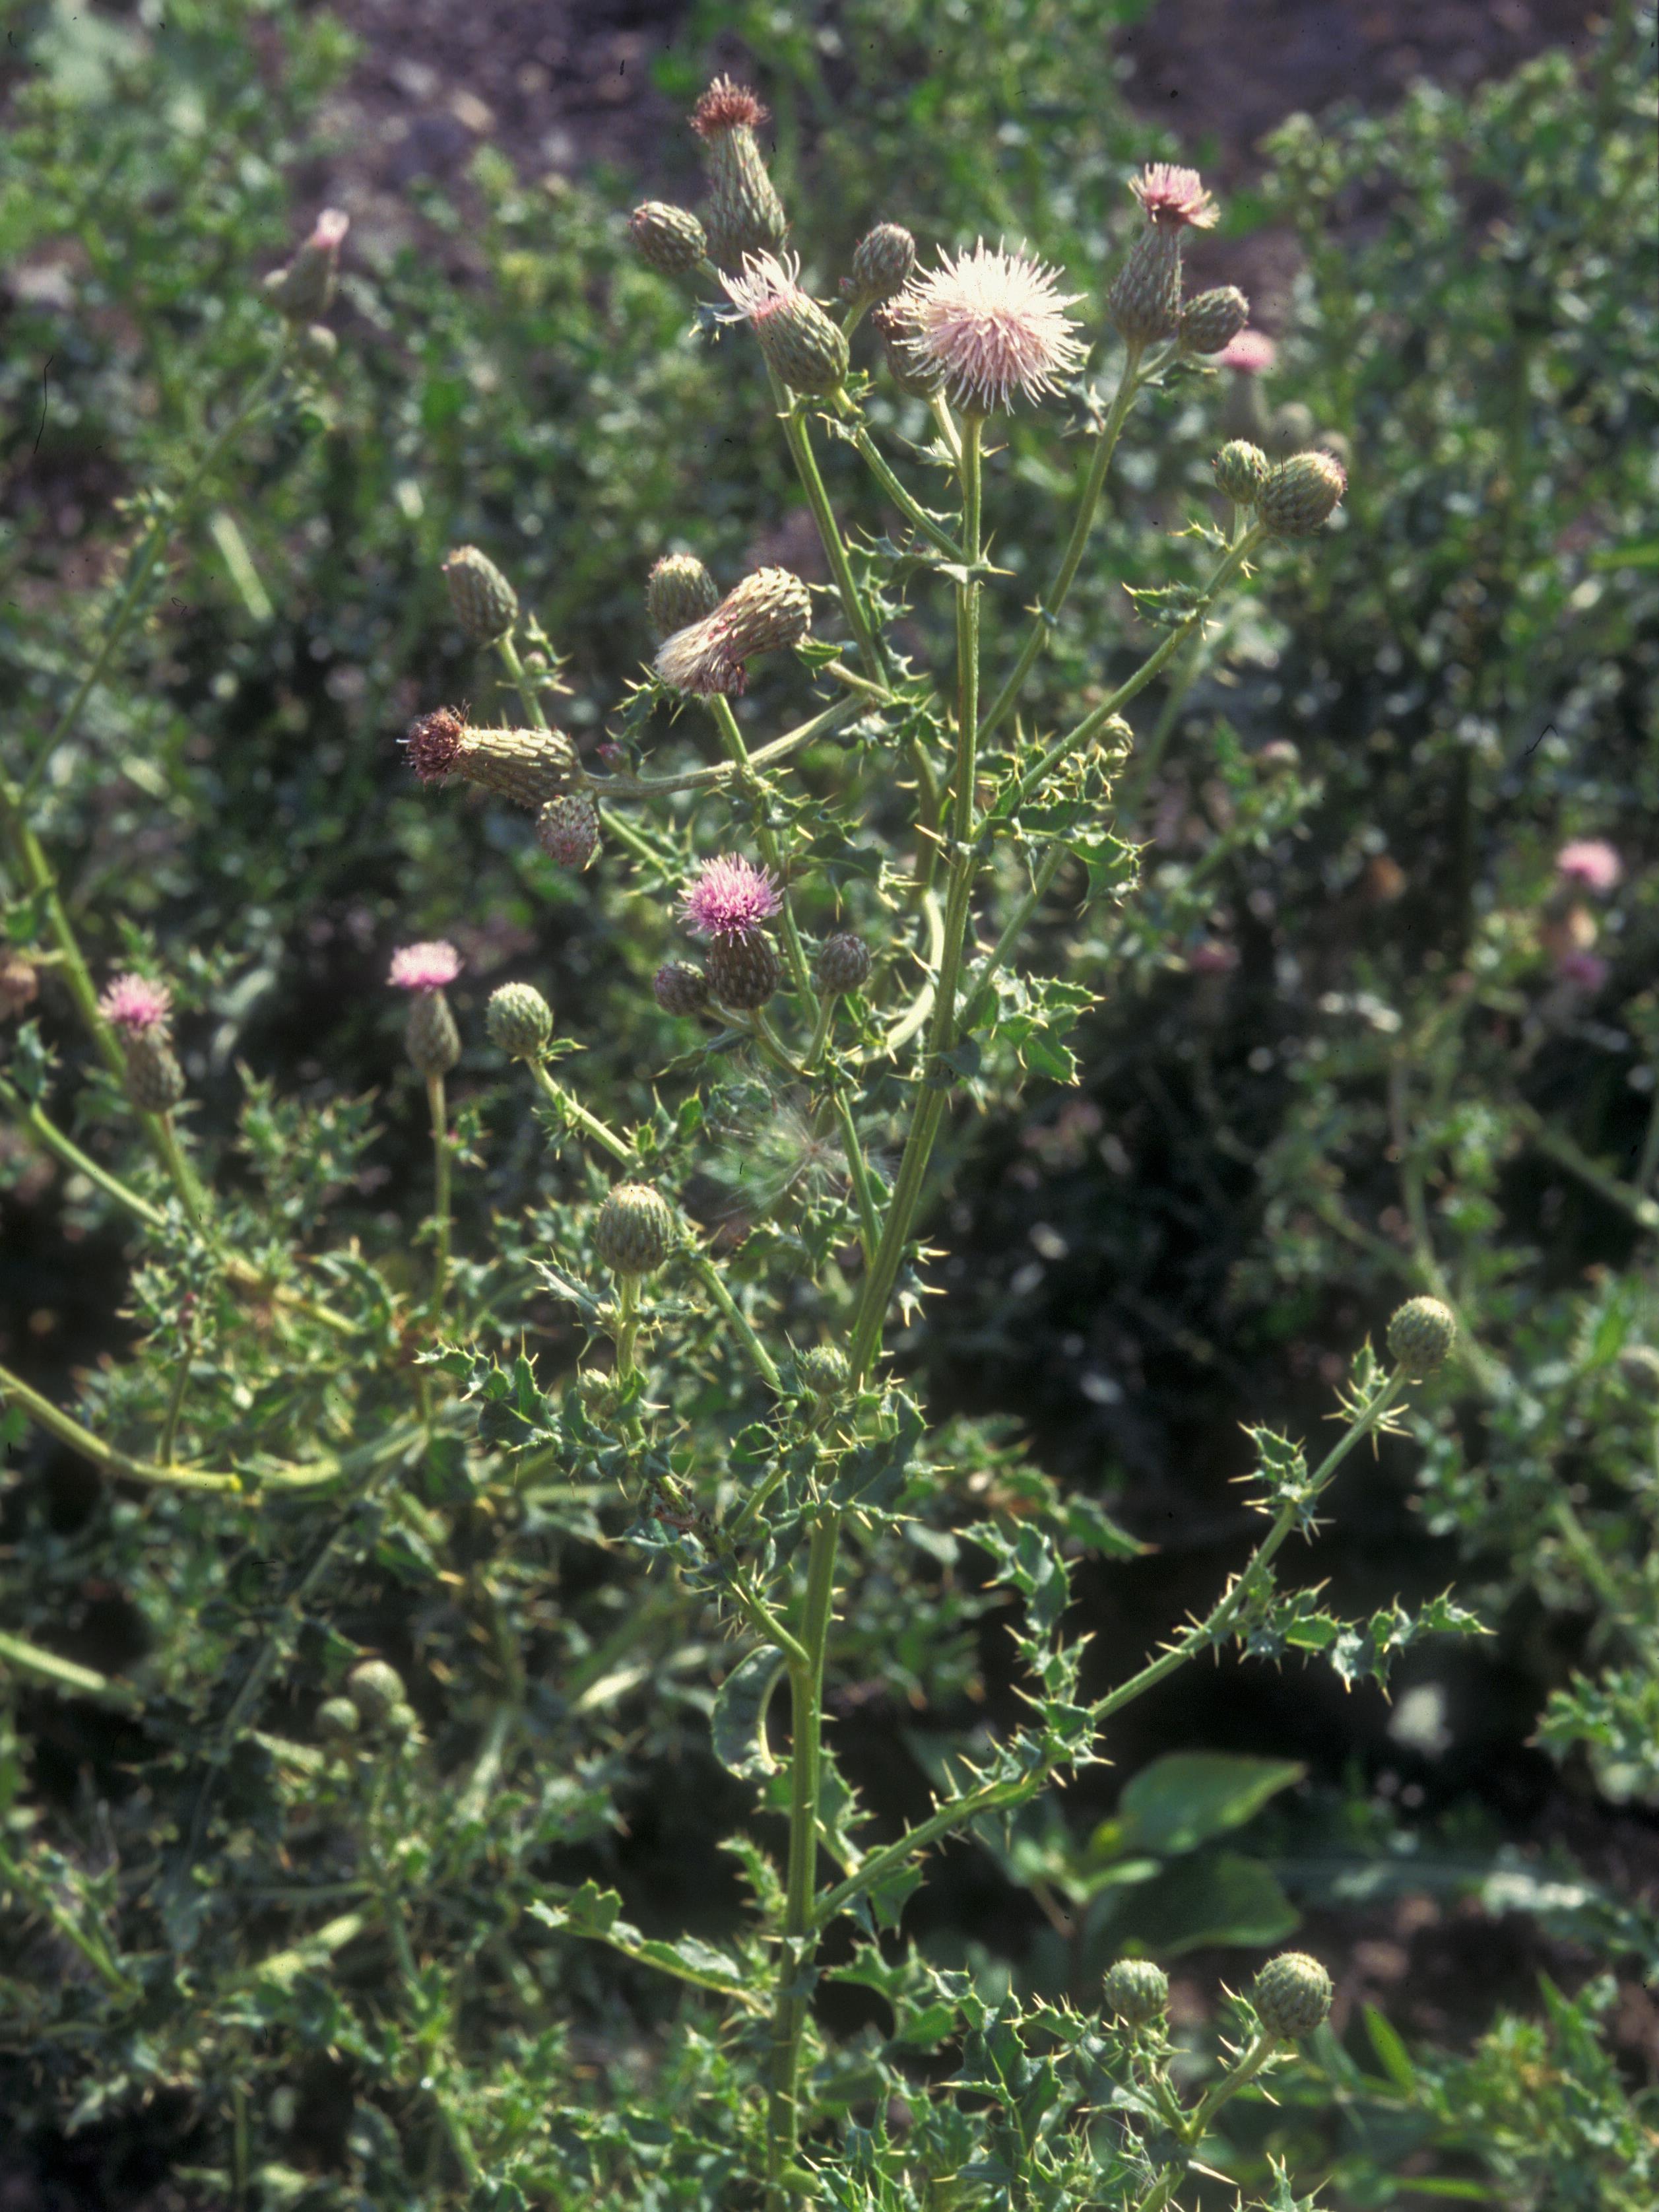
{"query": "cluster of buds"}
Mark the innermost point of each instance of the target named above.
(744, 214)
(375, 1703)
(432, 1041)
(527, 767)
(771, 608)
(1294, 498)
(141, 1014)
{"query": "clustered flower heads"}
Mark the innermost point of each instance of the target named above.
(1144, 302)
(770, 608)
(992, 324)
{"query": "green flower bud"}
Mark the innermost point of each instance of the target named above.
(635, 1230)
(679, 590)
(743, 970)
(1211, 319)
(822, 1370)
(679, 989)
(568, 830)
(669, 239)
(486, 606)
(376, 1688)
(1292, 1995)
(1241, 470)
(745, 214)
(1137, 1991)
(519, 1020)
(432, 1042)
(155, 1081)
(1421, 1335)
(912, 371)
(1301, 495)
(1144, 302)
(317, 347)
(527, 767)
(883, 262)
(301, 292)
(842, 965)
(338, 1720)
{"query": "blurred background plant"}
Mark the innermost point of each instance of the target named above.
(1381, 1019)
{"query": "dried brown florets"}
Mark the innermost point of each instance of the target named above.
(726, 105)
(433, 743)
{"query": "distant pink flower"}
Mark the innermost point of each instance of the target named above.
(1591, 861)
(135, 1005)
(1173, 197)
(425, 967)
(1584, 971)
(991, 324)
(1213, 958)
(729, 898)
(1252, 353)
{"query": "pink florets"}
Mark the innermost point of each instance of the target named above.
(1172, 195)
(1252, 353)
(1584, 971)
(135, 1005)
(769, 281)
(729, 898)
(1591, 861)
(992, 324)
(329, 231)
(425, 967)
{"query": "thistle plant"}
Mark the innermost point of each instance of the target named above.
(864, 887)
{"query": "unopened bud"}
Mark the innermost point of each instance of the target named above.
(635, 1230)
(486, 606)
(883, 262)
(1241, 470)
(679, 989)
(1136, 1991)
(914, 372)
(1292, 1995)
(376, 1688)
(842, 965)
(431, 1038)
(568, 830)
(1144, 302)
(338, 1720)
(155, 1081)
(20, 983)
(679, 590)
(669, 239)
(519, 1020)
(1421, 1335)
(1211, 319)
(823, 1370)
(743, 970)
(1301, 495)
(302, 291)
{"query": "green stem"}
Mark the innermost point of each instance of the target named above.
(437, 1106)
(625, 1327)
(64, 1673)
(1042, 621)
(767, 837)
(579, 1116)
(913, 512)
(806, 1692)
(820, 1033)
(190, 1194)
(176, 1401)
(724, 772)
(869, 1224)
(518, 675)
(709, 1275)
(799, 440)
(1042, 883)
(38, 1890)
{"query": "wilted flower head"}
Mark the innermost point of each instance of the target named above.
(807, 350)
(425, 967)
(1252, 353)
(1174, 196)
(729, 898)
(992, 323)
(726, 105)
(1591, 861)
(769, 609)
(135, 1005)
(770, 282)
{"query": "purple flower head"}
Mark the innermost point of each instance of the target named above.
(1250, 353)
(425, 967)
(729, 898)
(1582, 971)
(135, 1005)
(1591, 861)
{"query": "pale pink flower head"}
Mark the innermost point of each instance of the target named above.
(327, 232)
(136, 1006)
(769, 281)
(1591, 862)
(1582, 971)
(729, 898)
(991, 324)
(1252, 353)
(1173, 197)
(425, 967)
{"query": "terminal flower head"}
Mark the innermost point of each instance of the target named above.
(136, 1006)
(992, 323)
(425, 967)
(730, 897)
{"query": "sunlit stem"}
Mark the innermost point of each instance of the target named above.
(438, 1106)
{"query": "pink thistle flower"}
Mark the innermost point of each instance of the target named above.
(1582, 971)
(1213, 958)
(726, 105)
(729, 898)
(425, 967)
(769, 281)
(1172, 196)
(1591, 861)
(990, 324)
(327, 232)
(136, 1006)
(1252, 353)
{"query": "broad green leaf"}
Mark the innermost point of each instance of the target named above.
(739, 1720)
(1213, 1896)
(1185, 1798)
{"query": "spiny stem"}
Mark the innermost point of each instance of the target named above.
(799, 439)
(578, 1114)
(767, 837)
(709, 1275)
